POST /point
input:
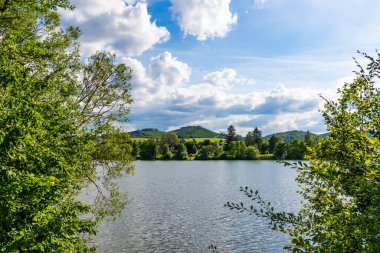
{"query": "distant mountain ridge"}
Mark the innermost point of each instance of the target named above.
(195, 132)
(182, 133)
(294, 134)
(147, 133)
(189, 132)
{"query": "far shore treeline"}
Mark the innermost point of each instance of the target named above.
(228, 146)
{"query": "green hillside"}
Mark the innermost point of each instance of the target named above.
(290, 135)
(195, 132)
(325, 134)
(199, 132)
(147, 133)
(182, 133)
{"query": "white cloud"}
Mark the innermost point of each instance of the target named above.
(115, 25)
(165, 99)
(204, 19)
(226, 78)
(157, 81)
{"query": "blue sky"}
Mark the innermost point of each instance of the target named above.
(220, 62)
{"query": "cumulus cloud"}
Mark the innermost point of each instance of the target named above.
(123, 27)
(204, 19)
(158, 81)
(226, 78)
(165, 98)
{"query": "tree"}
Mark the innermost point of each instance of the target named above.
(217, 150)
(166, 153)
(297, 150)
(249, 139)
(241, 150)
(231, 136)
(56, 129)
(340, 184)
(205, 152)
(136, 149)
(251, 153)
(191, 146)
(181, 153)
(273, 142)
(149, 150)
(257, 137)
(264, 147)
(282, 150)
(171, 139)
(308, 139)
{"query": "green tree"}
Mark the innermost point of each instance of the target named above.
(55, 120)
(297, 150)
(308, 139)
(149, 149)
(233, 150)
(231, 136)
(249, 139)
(205, 152)
(191, 146)
(217, 150)
(166, 153)
(257, 137)
(273, 142)
(181, 153)
(340, 184)
(171, 139)
(251, 153)
(282, 150)
(136, 149)
(241, 149)
(264, 147)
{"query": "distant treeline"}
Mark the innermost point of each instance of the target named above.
(253, 147)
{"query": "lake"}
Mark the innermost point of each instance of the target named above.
(177, 206)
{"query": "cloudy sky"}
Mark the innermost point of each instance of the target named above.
(220, 62)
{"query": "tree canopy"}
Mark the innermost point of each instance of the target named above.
(340, 184)
(56, 116)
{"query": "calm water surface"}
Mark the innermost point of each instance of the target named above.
(177, 206)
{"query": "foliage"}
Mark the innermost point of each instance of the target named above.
(206, 152)
(195, 132)
(252, 153)
(147, 133)
(296, 150)
(292, 135)
(135, 149)
(249, 139)
(171, 139)
(166, 153)
(273, 142)
(206, 149)
(191, 146)
(149, 150)
(188, 132)
(340, 184)
(55, 119)
(309, 140)
(231, 136)
(257, 137)
(181, 153)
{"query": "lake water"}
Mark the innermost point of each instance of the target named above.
(177, 206)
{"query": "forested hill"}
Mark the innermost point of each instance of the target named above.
(189, 132)
(290, 135)
(195, 132)
(147, 133)
(182, 133)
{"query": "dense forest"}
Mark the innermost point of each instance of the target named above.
(252, 147)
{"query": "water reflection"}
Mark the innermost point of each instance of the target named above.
(178, 207)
